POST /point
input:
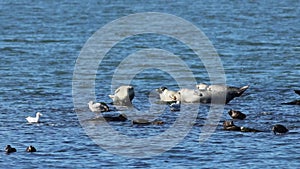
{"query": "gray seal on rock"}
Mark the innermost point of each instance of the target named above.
(219, 90)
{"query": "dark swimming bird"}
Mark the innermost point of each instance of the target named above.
(228, 125)
(30, 149)
(280, 129)
(295, 102)
(297, 91)
(236, 114)
(9, 149)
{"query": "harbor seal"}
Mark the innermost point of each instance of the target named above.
(123, 96)
(219, 90)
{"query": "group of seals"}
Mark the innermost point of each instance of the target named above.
(123, 96)
(8, 149)
(202, 94)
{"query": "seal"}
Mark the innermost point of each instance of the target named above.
(234, 114)
(30, 149)
(219, 90)
(9, 149)
(165, 94)
(279, 129)
(123, 96)
(187, 96)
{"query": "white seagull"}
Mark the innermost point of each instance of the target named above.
(98, 107)
(34, 119)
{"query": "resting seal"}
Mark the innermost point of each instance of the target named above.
(219, 90)
(123, 96)
(187, 96)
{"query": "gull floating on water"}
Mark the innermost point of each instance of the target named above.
(98, 107)
(175, 106)
(34, 119)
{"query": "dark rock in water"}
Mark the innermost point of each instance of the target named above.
(146, 122)
(228, 125)
(9, 149)
(297, 91)
(30, 149)
(120, 117)
(236, 114)
(279, 129)
(295, 102)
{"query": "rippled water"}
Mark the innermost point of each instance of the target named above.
(258, 43)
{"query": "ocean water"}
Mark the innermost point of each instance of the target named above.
(40, 42)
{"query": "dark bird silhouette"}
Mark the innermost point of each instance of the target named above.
(236, 115)
(30, 149)
(9, 149)
(279, 129)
